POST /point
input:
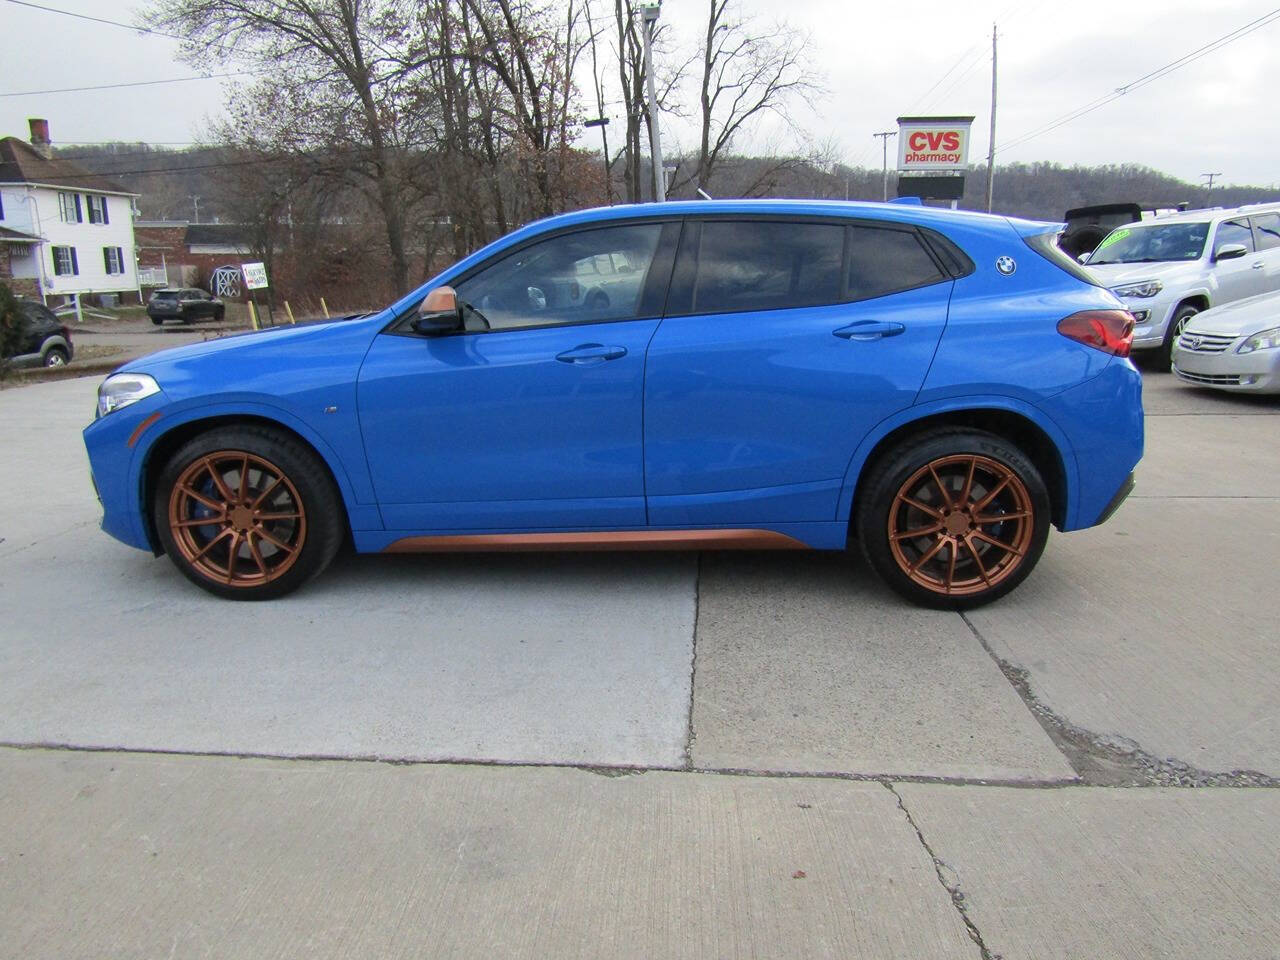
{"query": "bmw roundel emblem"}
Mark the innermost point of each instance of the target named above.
(1006, 265)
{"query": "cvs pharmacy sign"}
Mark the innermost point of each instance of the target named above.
(933, 143)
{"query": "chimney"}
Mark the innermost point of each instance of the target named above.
(40, 137)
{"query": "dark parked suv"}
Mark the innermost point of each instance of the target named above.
(185, 304)
(44, 342)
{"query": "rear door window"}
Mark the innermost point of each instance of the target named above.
(884, 261)
(1266, 227)
(767, 265)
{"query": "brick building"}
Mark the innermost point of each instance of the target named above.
(177, 253)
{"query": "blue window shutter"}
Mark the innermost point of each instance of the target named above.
(79, 215)
(104, 210)
(75, 264)
(106, 258)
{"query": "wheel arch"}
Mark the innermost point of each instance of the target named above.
(1038, 437)
(1198, 300)
(165, 444)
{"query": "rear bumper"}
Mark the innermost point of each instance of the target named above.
(1102, 418)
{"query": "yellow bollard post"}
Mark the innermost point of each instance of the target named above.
(289, 312)
(325, 307)
(253, 316)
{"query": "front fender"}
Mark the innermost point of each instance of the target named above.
(361, 510)
(966, 404)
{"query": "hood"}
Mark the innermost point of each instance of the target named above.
(1239, 318)
(271, 337)
(1115, 274)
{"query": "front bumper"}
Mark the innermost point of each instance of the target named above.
(1152, 316)
(1257, 372)
(115, 466)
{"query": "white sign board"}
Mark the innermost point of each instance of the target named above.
(255, 276)
(933, 143)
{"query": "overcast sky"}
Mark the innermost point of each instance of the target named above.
(880, 61)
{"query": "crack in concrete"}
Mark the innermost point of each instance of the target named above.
(693, 662)
(948, 877)
(1103, 760)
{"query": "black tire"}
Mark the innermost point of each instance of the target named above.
(158, 321)
(56, 357)
(315, 537)
(936, 581)
(1164, 357)
(219, 314)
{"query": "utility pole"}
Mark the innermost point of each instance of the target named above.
(650, 13)
(1209, 192)
(884, 165)
(196, 201)
(991, 147)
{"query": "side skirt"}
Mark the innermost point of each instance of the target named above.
(592, 541)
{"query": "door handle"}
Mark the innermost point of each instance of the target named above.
(1257, 265)
(591, 353)
(868, 330)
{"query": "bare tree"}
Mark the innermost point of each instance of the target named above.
(747, 73)
(332, 77)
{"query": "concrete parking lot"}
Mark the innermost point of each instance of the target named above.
(725, 755)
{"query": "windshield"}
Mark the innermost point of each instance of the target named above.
(1169, 241)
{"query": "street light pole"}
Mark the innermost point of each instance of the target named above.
(603, 122)
(650, 13)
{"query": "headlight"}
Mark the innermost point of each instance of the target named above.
(121, 389)
(1266, 340)
(1147, 288)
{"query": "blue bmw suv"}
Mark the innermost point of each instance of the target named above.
(937, 386)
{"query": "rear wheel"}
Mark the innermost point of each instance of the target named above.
(158, 321)
(954, 519)
(248, 512)
(56, 357)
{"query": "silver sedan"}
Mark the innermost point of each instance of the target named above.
(1233, 347)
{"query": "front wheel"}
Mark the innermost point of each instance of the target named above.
(248, 512)
(1177, 324)
(954, 519)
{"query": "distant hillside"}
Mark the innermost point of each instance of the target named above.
(167, 179)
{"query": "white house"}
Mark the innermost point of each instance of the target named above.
(68, 232)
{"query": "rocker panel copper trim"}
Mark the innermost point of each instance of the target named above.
(141, 428)
(611, 540)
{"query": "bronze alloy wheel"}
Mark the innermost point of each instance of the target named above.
(237, 519)
(961, 524)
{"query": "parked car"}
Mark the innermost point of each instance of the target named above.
(1086, 227)
(938, 386)
(185, 304)
(44, 342)
(1234, 347)
(1169, 269)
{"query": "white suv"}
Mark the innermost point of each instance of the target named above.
(1168, 269)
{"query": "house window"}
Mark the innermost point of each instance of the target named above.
(64, 262)
(97, 209)
(69, 207)
(113, 258)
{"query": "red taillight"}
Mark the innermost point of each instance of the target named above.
(1110, 331)
(66, 333)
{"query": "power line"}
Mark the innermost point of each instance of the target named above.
(85, 16)
(1147, 78)
(145, 172)
(134, 83)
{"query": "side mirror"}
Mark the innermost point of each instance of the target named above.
(1230, 251)
(439, 313)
